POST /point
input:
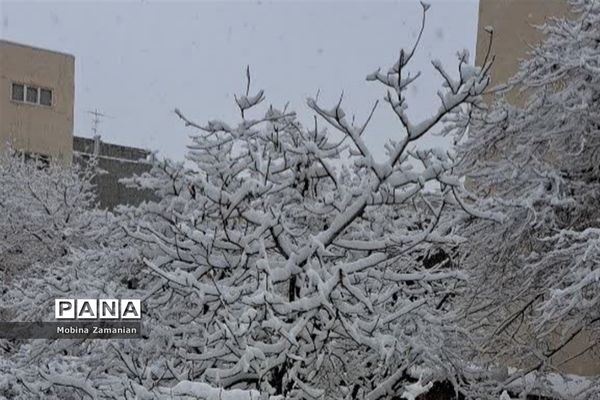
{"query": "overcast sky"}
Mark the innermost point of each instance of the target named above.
(137, 61)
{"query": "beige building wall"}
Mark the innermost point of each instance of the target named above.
(514, 32)
(37, 128)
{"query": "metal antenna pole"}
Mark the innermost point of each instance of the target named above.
(97, 119)
(95, 123)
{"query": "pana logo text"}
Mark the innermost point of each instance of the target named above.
(97, 309)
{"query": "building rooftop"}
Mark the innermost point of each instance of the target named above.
(117, 151)
(27, 46)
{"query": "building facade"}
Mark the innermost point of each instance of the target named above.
(37, 94)
(513, 23)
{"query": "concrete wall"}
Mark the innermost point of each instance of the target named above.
(514, 31)
(119, 162)
(33, 128)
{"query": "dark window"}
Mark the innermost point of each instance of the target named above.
(46, 97)
(41, 161)
(32, 95)
(18, 92)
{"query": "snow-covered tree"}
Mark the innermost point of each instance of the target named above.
(270, 267)
(43, 210)
(536, 277)
(47, 215)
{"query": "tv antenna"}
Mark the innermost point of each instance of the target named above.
(97, 119)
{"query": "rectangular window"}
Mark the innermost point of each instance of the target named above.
(32, 95)
(18, 92)
(46, 97)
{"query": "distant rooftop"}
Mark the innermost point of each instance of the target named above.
(124, 153)
(116, 162)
